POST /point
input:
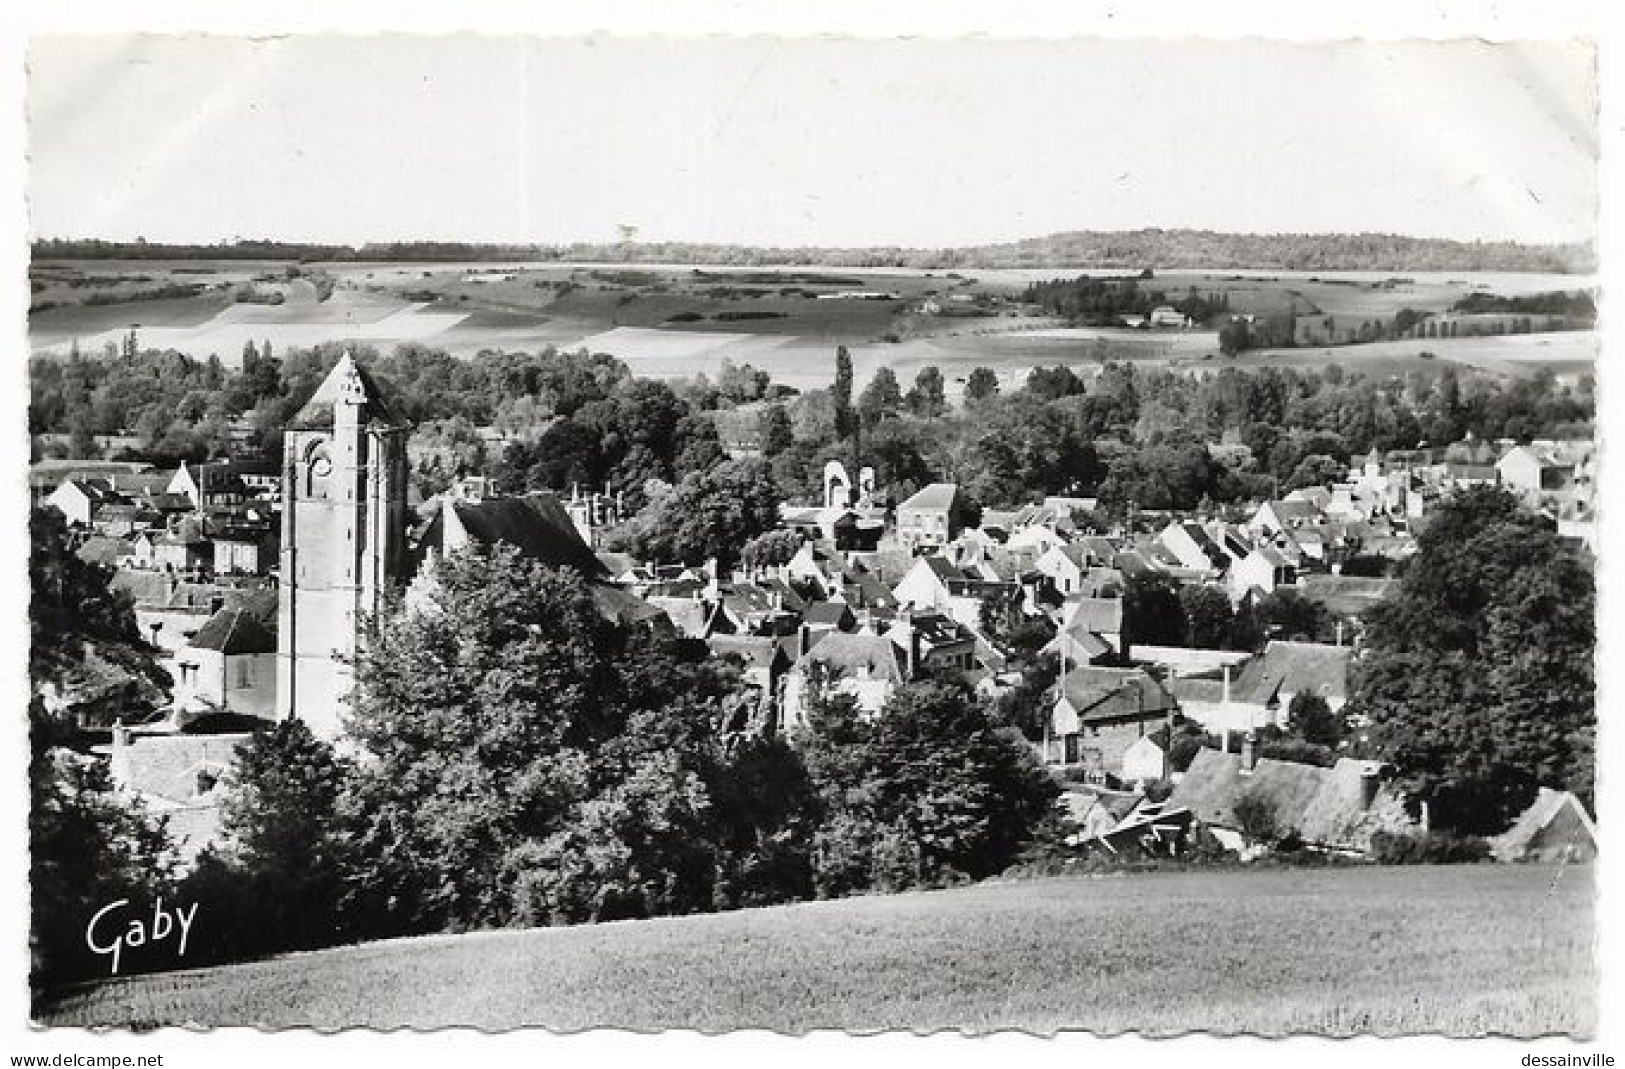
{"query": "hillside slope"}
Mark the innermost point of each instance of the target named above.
(1461, 950)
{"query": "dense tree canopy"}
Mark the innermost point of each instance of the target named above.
(1478, 679)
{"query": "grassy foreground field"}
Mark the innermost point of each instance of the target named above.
(1464, 951)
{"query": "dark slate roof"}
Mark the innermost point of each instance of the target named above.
(829, 614)
(377, 409)
(234, 632)
(1115, 693)
(1290, 667)
(258, 602)
(535, 524)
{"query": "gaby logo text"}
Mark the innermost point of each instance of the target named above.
(109, 932)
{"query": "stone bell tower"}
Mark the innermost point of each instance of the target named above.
(343, 539)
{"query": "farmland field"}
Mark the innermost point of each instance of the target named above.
(670, 320)
(1464, 951)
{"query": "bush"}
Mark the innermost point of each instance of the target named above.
(1255, 819)
(1428, 848)
(1304, 753)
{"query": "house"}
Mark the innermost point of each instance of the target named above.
(214, 483)
(824, 616)
(1335, 809)
(107, 552)
(183, 549)
(1268, 683)
(229, 664)
(932, 641)
(1168, 316)
(245, 550)
(934, 516)
(80, 499)
(1193, 548)
(119, 518)
(747, 609)
(1100, 713)
(535, 524)
(1067, 566)
(1555, 827)
(1273, 517)
(763, 663)
(866, 666)
(1144, 761)
(1260, 571)
(926, 584)
(1090, 632)
(180, 776)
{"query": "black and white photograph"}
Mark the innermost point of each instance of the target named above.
(811, 532)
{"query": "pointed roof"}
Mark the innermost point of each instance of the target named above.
(348, 376)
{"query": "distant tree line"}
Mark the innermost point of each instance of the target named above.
(1105, 301)
(1578, 304)
(1078, 249)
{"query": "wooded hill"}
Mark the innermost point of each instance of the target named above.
(1154, 248)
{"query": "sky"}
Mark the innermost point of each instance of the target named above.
(803, 141)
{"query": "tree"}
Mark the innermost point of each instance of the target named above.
(931, 790)
(712, 514)
(1235, 336)
(84, 649)
(1207, 615)
(1052, 383)
(881, 399)
(846, 421)
(1255, 818)
(1478, 679)
(770, 549)
(1317, 469)
(1285, 613)
(88, 847)
(528, 761)
(981, 385)
(1153, 613)
(1311, 719)
(927, 398)
(777, 433)
(283, 833)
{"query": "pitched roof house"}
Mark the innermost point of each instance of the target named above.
(1337, 809)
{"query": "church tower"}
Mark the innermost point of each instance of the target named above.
(343, 539)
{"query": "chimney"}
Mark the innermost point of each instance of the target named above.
(1249, 751)
(911, 645)
(1226, 699)
(1369, 783)
(803, 641)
